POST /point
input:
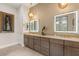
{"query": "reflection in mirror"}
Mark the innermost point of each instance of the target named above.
(66, 22)
(61, 24)
(34, 26)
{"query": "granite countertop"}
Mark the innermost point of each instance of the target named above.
(55, 37)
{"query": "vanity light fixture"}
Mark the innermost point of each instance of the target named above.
(31, 15)
(62, 5)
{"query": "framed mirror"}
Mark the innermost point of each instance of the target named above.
(67, 22)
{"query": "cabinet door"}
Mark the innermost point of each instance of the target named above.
(26, 38)
(56, 47)
(71, 48)
(30, 42)
(37, 43)
(45, 46)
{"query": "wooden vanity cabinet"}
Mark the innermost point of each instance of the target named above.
(56, 47)
(52, 46)
(36, 43)
(45, 46)
(71, 48)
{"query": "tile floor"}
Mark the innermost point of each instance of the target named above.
(17, 50)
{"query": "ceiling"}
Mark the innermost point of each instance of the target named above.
(17, 5)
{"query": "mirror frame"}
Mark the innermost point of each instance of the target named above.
(76, 12)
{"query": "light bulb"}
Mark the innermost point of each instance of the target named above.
(30, 15)
(62, 5)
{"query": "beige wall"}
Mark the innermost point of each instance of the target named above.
(45, 12)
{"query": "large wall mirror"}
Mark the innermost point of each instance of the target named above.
(32, 26)
(67, 22)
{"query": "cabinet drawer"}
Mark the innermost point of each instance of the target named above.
(45, 39)
(72, 44)
(35, 37)
(58, 41)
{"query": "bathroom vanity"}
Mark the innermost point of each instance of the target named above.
(52, 45)
(57, 45)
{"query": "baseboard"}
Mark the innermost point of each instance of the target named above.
(8, 45)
